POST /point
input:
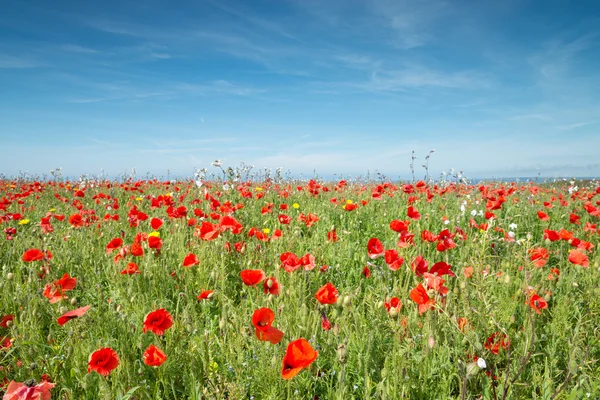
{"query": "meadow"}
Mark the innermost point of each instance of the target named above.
(147, 289)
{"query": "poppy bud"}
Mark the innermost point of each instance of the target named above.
(431, 342)
(221, 323)
(341, 353)
(463, 285)
(74, 301)
(547, 297)
(9, 323)
(507, 279)
(339, 301)
(63, 310)
(118, 308)
(10, 276)
(393, 312)
(380, 304)
(347, 301)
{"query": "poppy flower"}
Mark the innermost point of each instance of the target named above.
(76, 220)
(207, 231)
(153, 356)
(441, 268)
(366, 272)
(375, 248)
(327, 294)
(393, 260)
(537, 303)
(419, 295)
(413, 213)
(468, 272)
(190, 260)
(28, 390)
(158, 321)
(289, 261)
(543, 216)
(399, 226)
(539, 256)
(394, 304)
(578, 257)
(33, 255)
(137, 250)
(114, 244)
(54, 292)
(298, 355)
(271, 286)
(5, 320)
(103, 361)
(156, 223)
(262, 319)
(252, 277)
(308, 261)
(131, 269)
(154, 242)
(69, 315)
(205, 295)
(332, 236)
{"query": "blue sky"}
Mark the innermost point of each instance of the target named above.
(498, 88)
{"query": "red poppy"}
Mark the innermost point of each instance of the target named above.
(33, 255)
(375, 248)
(419, 265)
(207, 231)
(114, 244)
(252, 277)
(205, 295)
(5, 320)
(156, 223)
(154, 242)
(325, 323)
(332, 236)
(539, 256)
(190, 260)
(399, 226)
(262, 319)
(441, 268)
(153, 356)
(537, 303)
(327, 294)
(413, 213)
(69, 315)
(284, 219)
(419, 295)
(394, 303)
(393, 260)
(308, 261)
(76, 220)
(290, 261)
(158, 321)
(137, 250)
(131, 269)
(366, 272)
(103, 361)
(543, 216)
(271, 286)
(298, 355)
(55, 291)
(28, 391)
(551, 235)
(578, 257)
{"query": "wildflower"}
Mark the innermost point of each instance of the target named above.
(131, 269)
(271, 286)
(252, 277)
(419, 295)
(23, 221)
(103, 361)
(190, 260)
(299, 355)
(327, 294)
(537, 303)
(66, 317)
(375, 248)
(578, 257)
(206, 295)
(262, 319)
(153, 356)
(28, 390)
(158, 321)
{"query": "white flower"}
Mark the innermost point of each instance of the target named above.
(512, 226)
(511, 234)
(217, 163)
(446, 222)
(481, 363)
(474, 213)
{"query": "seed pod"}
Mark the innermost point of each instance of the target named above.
(10, 276)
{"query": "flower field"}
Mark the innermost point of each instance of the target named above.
(146, 289)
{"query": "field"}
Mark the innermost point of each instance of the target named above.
(145, 289)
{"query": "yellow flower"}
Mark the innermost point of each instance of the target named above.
(348, 201)
(157, 234)
(23, 222)
(52, 210)
(139, 198)
(266, 230)
(296, 205)
(258, 188)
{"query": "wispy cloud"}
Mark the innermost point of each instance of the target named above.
(575, 125)
(14, 62)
